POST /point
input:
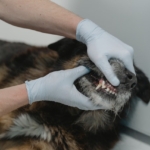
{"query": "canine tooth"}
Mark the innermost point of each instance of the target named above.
(98, 86)
(103, 82)
(103, 85)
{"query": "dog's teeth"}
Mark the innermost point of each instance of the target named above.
(107, 89)
(110, 92)
(103, 85)
(98, 86)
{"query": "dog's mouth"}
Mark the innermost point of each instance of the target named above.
(97, 88)
(101, 84)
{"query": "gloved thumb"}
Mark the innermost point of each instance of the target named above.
(106, 68)
(78, 72)
(83, 102)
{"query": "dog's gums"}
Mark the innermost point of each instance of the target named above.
(103, 85)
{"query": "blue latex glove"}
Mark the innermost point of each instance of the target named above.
(101, 46)
(58, 86)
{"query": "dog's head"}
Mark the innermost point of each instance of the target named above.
(95, 86)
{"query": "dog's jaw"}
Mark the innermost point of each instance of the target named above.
(110, 103)
(100, 97)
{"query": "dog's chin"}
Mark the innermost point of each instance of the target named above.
(96, 121)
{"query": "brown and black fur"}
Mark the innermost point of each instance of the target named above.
(70, 128)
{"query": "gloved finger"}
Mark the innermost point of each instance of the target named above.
(83, 102)
(129, 65)
(78, 72)
(128, 48)
(106, 68)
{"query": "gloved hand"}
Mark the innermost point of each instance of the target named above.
(58, 86)
(101, 46)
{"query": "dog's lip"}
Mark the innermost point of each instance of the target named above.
(102, 84)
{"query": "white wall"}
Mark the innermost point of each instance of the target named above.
(11, 33)
(128, 20)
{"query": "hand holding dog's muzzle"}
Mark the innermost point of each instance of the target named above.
(101, 46)
(58, 86)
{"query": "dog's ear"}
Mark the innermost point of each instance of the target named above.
(143, 85)
(57, 46)
(67, 48)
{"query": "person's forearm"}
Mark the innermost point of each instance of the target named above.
(12, 98)
(40, 15)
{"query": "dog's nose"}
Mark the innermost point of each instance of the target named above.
(131, 79)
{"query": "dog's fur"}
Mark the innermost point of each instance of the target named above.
(52, 126)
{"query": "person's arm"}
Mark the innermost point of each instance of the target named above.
(45, 88)
(40, 15)
(48, 17)
(12, 98)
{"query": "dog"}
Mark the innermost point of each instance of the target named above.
(52, 126)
